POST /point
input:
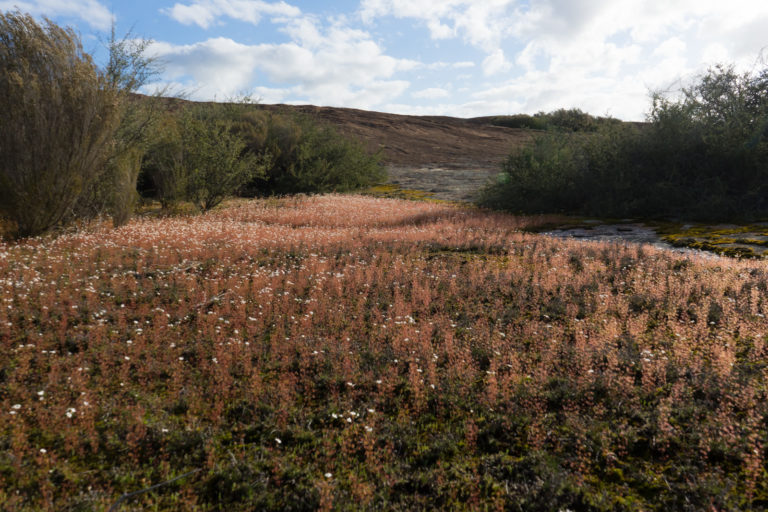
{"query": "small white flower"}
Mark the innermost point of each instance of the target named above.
(328, 475)
(378, 381)
(40, 393)
(17, 406)
(368, 429)
(371, 411)
(43, 450)
(334, 415)
(278, 440)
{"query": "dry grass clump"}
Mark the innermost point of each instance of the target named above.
(342, 352)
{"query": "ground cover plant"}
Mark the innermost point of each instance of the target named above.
(346, 352)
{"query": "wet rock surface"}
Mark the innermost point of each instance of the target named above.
(629, 233)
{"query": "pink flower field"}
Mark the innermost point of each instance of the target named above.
(351, 353)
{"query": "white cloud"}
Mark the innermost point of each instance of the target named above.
(496, 63)
(217, 67)
(431, 93)
(482, 23)
(332, 66)
(602, 56)
(90, 11)
(598, 55)
(204, 12)
(452, 65)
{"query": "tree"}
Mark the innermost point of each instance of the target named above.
(59, 113)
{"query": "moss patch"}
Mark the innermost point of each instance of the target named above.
(396, 192)
(748, 241)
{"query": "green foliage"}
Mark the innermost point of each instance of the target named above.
(703, 155)
(565, 172)
(519, 121)
(215, 159)
(60, 114)
(162, 165)
(307, 157)
(568, 120)
(128, 70)
(72, 136)
(198, 155)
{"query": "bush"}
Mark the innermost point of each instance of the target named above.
(198, 155)
(519, 121)
(703, 155)
(563, 120)
(306, 156)
(215, 159)
(60, 114)
(72, 136)
(565, 173)
(162, 169)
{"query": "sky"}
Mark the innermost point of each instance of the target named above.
(462, 58)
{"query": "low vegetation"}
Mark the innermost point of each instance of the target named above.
(702, 156)
(562, 120)
(341, 352)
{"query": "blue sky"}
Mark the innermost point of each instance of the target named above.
(461, 58)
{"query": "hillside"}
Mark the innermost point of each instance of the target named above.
(420, 140)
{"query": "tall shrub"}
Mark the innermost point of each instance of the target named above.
(127, 70)
(59, 116)
(703, 155)
(306, 156)
(163, 163)
(215, 159)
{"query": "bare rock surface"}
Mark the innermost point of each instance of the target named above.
(442, 182)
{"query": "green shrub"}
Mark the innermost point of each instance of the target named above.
(59, 115)
(215, 159)
(565, 172)
(702, 156)
(162, 169)
(197, 154)
(520, 121)
(306, 156)
(564, 120)
(72, 137)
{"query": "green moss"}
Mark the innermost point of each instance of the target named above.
(396, 192)
(717, 239)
